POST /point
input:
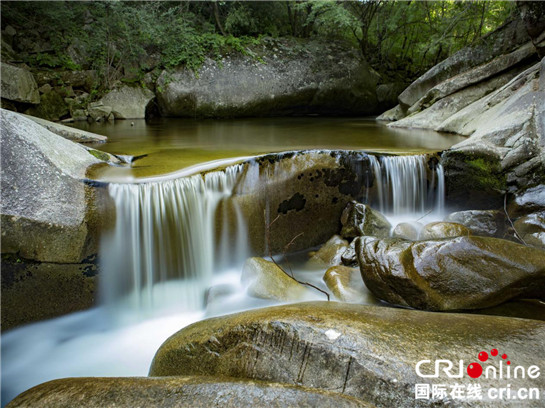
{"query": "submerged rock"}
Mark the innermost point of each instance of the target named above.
(439, 230)
(487, 223)
(361, 220)
(266, 280)
(346, 284)
(187, 392)
(367, 352)
(460, 273)
(330, 254)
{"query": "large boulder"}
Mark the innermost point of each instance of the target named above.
(18, 85)
(461, 273)
(292, 80)
(494, 92)
(128, 102)
(367, 352)
(531, 229)
(176, 392)
(45, 204)
(51, 220)
(51, 107)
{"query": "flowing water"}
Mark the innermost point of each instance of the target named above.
(165, 266)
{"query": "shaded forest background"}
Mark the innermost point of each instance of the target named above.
(125, 40)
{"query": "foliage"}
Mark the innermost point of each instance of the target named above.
(125, 39)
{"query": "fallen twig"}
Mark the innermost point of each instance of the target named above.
(517, 235)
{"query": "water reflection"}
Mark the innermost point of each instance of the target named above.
(172, 144)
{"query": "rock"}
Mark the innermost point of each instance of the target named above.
(298, 83)
(501, 41)
(79, 115)
(522, 309)
(346, 284)
(33, 291)
(439, 230)
(266, 280)
(387, 94)
(45, 88)
(83, 79)
(128, 102)
(9, 31)
(175, 392)
(46, 211)
(349, 257)
(489, 223)
(460, 273)
(98, 111)
(361, 220)
(18, 85)
(531, 228)
(396, 113)
(367, 352)
(70, 133)
(51, 107)
(406, 230)
(532, 13)
(529, 201)
(330, 253)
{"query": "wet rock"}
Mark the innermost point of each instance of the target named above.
(187, 392)
(522, 309)
(439, 230)
(18, 85)
(361, 220)
(346, 284)
(33, 291)
(368, 352)
(330, 253)
(529, 201)
(487, 223)
(297, 83)
(460, 273)
(406, 230)
(266, 280)
(349, 257)
(46, 210)
(531, 228)
(128, 102)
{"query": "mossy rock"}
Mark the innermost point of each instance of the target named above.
(52, 107)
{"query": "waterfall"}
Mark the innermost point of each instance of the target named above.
(171, 235)
(406, 185)
(164, 232)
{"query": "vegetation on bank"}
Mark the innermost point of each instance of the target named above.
(124, 40)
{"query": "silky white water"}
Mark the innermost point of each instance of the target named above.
(160, 261)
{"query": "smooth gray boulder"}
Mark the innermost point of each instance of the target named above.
(67, 132)
(491, 223)
(176, 392)
(128, 102)
(307, 78)
(453, 274)
(18, 84)
(367, 352)
(45, 209)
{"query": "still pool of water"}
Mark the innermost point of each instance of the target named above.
(174, 144)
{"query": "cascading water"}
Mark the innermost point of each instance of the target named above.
(164, 232)
(406, 185)
(166, 245)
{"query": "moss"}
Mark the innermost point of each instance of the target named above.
(99, 155)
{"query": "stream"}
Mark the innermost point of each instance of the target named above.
(163, 267)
